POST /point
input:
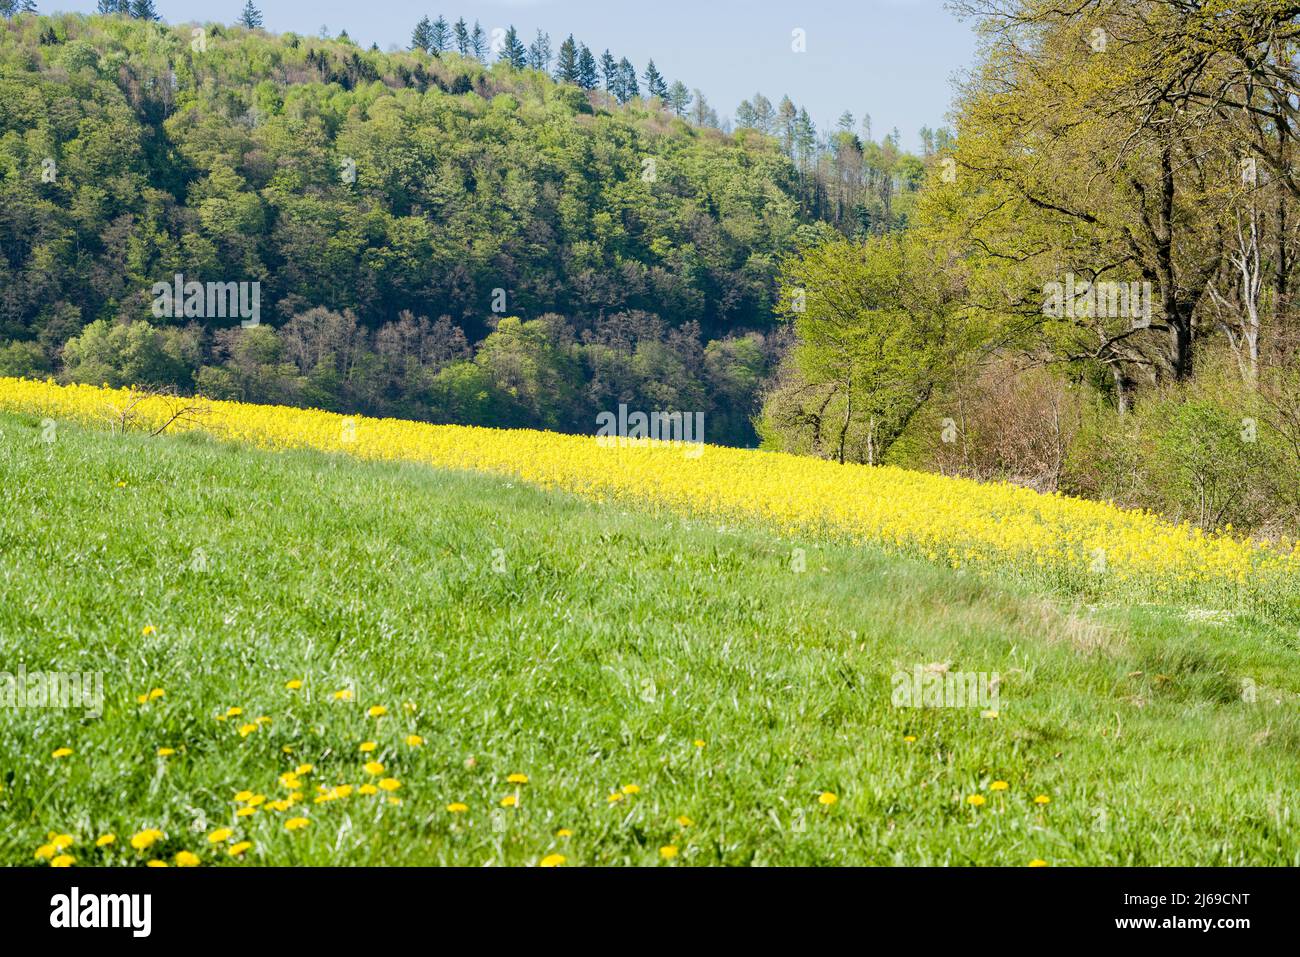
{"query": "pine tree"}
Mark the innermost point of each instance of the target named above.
(764, 115)
(566, 67)
(608, 69)
(439, 36)
(539, 52)
(845, 123)
(478, 44)
(513, 52)
(679, 98)
(587, 78)
(628, 87)
(745, 117)
(251, 17)
(654, 81)
(143, 10)
(462, 37)
(422, 35)
(104, 7)
(27, 6)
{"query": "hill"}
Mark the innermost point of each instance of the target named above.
(663, 680)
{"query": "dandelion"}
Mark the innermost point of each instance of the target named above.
(1038, 862)
(631, 789)
(343, 694)
(61, 842)
(615, 797)
(246, 812)
(1042, 799)
(304, 769)
(289, 780)
(564, 832)
(220, 835)
(246, 729)
(243, 796)
(998, 786)
(552, 860)
(296, 823)
(147, 630)
(45, 852)
(976, 800)
(668, 851)
(105, 839)
(390, 784)
(377, 711)
(367, 789)
(509, 801)
(373, 767)
(909, 738)
(166, 752)
(456, 807)
(61, 753)
(234, 712)
(827, 798)
(699, 742)
(237, 849)
(155, 863)
(684, 821)
(517, 778)
(63, 860)
(187, 859)
(414, 740)
(146, 838)
(293, 684)
(155, 693)
(255, 800)
(367, 746)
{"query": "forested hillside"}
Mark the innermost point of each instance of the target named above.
(433, 237)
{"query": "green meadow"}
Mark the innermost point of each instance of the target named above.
(741, 710)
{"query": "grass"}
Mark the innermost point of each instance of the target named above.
(590, 647)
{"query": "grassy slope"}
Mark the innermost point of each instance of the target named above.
(611, 642)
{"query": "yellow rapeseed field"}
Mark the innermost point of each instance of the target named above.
(954, 521)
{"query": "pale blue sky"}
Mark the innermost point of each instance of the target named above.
(894, 59)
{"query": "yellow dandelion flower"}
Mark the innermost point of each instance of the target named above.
(155, 693)
(146, 838)
(998, 786)
(237, 849)
(343, 694)
(61, 753)
(564, 832)
(367, 746)
(909, 738)
(668, 851)
(373, 767)
(827, 798)
(367, 789)
(187, 859)
(234, 712)
(166, 752)
(976, 800)
(631, 789)
(615, 797)
(155, 863)
(246, 812)
(377, 711)
(509, 801)
(552, 860)
(45, 852)
(293, 684)
(304, 769)
(517, 778)
(243, 796)
(148, 630)
(414, 740)
(255, 800)
(105, 839)
(63, 860)
(390, 784)
(296, 823)
(1042, 799)
(1038, 862)
(699, 742)
(220, 835)
(456, 807)
(684, 821)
